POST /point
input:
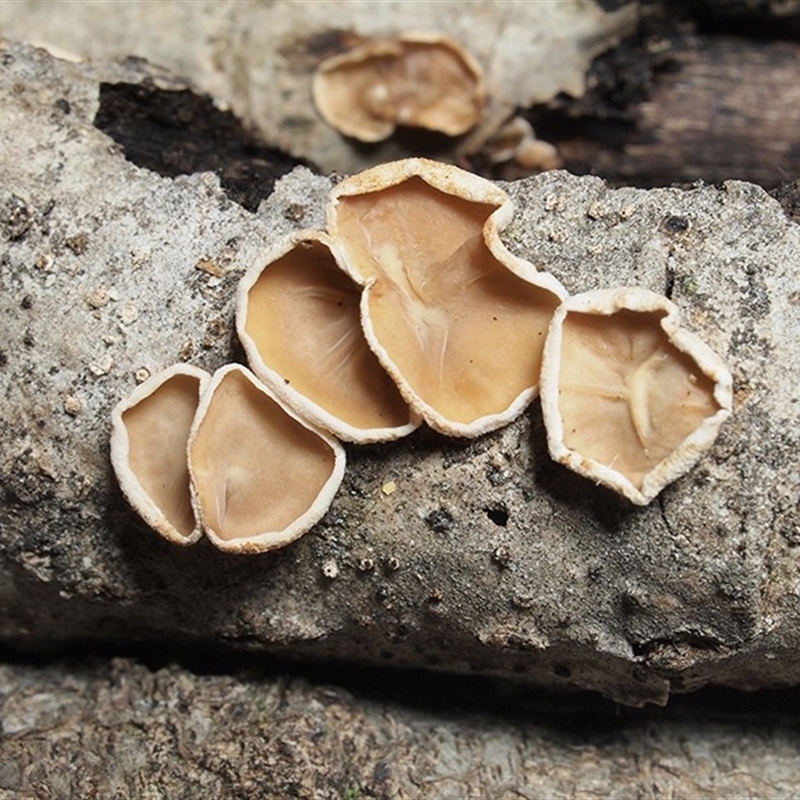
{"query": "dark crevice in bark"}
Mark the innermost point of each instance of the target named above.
(180, 133)
(569, 711)
(700, 92)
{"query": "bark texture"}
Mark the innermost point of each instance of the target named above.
(688, 108)
(121, 730)
(487, 558)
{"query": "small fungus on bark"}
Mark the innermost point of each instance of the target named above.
(629, 398)
(298, 320)
(260, 476)
(149, 433)
(516, 143)
(423, 80)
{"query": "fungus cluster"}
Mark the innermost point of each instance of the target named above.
(455, 319)
(427, 81)
(409, 309)
(219, 454)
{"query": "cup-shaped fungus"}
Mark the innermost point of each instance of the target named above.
(260, 476)
(629, 398)
(298, 319)
(455, 319)
(516, 142)
(149, 433)
(422, 80)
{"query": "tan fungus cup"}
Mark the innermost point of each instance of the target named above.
(149, 433)
(260, 476)
(630, 399)
(297, 316)
(422, 80)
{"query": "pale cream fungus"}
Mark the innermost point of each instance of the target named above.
(628, 398)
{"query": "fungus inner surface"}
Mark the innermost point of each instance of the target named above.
(426, 84)
(303, 315)
(627, 396)
(256, 469)
(464, 331)
(158, 429)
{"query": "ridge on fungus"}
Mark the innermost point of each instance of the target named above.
(297, 316)
(149, 432)
(629, 398)
(456, 319)
(260, 476)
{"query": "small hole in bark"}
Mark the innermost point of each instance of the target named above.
(498, 513)
(439, 520)
(402, 631)
(675, 224)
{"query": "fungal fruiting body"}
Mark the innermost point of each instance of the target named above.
(149, 433)
(409, 308)
(516, 143)
(629, 398)
(422, 80)
(456, 320)
(260, 476)
(194, 453)
(298, 320)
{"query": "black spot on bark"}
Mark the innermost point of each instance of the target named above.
(439, 521)
(498, 513)
(675, 224)
(180, 133)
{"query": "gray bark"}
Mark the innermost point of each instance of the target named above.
(488, 558)
(122, 730)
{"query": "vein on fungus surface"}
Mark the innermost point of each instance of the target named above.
(644, 396)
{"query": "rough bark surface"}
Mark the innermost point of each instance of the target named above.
(488, 558)
(648, 93)
(120, 730)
